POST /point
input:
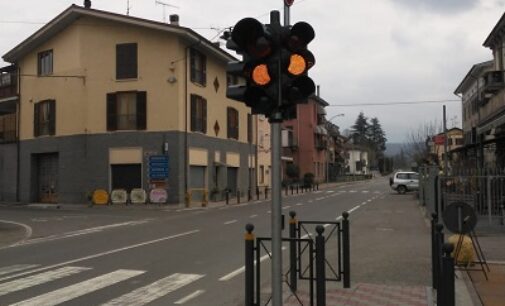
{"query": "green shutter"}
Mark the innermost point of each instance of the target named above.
(36, 122)
(141, 110)
(52, 117)
(111, 112)
(204, 115)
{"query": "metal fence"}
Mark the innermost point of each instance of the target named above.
(483, 189)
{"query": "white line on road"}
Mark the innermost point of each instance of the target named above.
(286, 207)
(230, 222)
(369, 200)
(253, 216)
(81, 232)
(189, 297)
(41, 278)
(352, 191)
(365, 191)
(16, 268)
(76, 290)
(299, 204)
(151, 292)
(232, 274)
(363, 203)
(353, 209)
(310, 201)
(28, 231)
(102, 254)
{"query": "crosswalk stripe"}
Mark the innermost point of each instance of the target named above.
(38, 279)
(71, 292)
(151, 292)
(190, 297)
(15, 268)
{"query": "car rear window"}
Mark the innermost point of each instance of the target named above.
(414, 176)
(402, 176)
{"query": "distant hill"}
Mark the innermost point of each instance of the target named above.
(393, 148)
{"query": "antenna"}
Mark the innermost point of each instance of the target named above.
(165, 5)
(128, 7)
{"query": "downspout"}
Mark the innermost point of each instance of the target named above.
(18, 144)
(186, 149)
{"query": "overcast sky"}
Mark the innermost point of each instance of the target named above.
(367, 51)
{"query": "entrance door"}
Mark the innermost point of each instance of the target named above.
(197, 182)
(232, 180)
(126, 176)
(47, 178)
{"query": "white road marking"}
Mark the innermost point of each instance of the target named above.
(151, 292)
(352, 191)
(253, 216)
(319, 199)
(369, 200)
(363, 203)
(353, 209)
(102, 254)
(364, 191)
(330, 191)
(76, 290)
(37, 279)
(299, 204)
(232, 274)
(16, 268)
(81, 232)
(310, 201)
(286, 207)
(28, 231)
(189, 297)
(230, 222)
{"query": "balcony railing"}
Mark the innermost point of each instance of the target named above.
(8, 82)
(494, 81)
(8, 128)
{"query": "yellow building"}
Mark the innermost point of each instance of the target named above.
(112, 101)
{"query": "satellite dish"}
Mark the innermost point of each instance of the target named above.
(459, 218)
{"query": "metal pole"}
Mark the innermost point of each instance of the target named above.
(346, 245)
(292, 252)
(434, 251)
(286, 14)
(445, 143)
(249, 265)
(320, 267)
(448, 293)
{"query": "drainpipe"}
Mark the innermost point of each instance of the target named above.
(186, 150)
(18, 144)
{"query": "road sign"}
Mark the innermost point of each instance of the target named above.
(289, 2)
(158, 167)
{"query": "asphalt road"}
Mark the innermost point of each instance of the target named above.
(194, 257)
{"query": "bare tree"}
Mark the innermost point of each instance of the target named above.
(417, 146)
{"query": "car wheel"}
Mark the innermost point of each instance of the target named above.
(402, 189)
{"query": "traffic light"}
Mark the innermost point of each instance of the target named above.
(255, 42)
(297, 86)
(274, 65)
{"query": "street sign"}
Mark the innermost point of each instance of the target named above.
(158, 167)
(289, 2)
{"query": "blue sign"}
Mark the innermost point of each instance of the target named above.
(158, 167)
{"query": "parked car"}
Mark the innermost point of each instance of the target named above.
(404, 181)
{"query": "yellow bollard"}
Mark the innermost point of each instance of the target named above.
(187, 198)
(205, 199)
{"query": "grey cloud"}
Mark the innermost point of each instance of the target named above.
(438, 6)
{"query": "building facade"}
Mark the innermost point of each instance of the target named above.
(483, 100)
(112, 101)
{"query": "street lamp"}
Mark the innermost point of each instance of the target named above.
(328, 152)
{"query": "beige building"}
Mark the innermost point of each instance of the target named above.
(112, 101)
(454, 141)
(264, 152)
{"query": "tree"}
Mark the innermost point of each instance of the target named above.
(377, 137)
(417, 148)
(359, 132)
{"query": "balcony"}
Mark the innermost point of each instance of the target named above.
(8, 128)
(494, 81)
(8, 82)
(321, 144)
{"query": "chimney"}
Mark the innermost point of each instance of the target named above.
(174, 20)
(87, 4)
(317, 90)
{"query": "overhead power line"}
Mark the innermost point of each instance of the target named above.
(396, 103)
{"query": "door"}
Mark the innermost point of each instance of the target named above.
(197, 182)
(47, 178)
(232, 178)
(126, 176)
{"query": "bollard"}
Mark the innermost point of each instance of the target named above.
(320, 268)
(257, 193)
(249, 265)
(317, 186)
(238, 196)
(434, 252)
(346, 245)
(187, 198)
(297, 187)
(249, 195)
(291, 186)
(292, 252)
(266, 193)
(205, 200)
(227, 196)
(447, 293)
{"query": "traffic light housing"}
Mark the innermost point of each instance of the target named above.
(274, 66)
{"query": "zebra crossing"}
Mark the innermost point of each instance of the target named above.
(21, 283)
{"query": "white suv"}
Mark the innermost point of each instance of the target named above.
(404, 181)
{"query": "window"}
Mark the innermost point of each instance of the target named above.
(249, 128)
(232, 123)
(459, 141)
(126, 111)
(198, 67)
(198, 114)
(44, 121)
(126, 61)
(262, 174)
(45, 63)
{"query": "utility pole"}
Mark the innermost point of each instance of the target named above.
(445, 143)
(165, 5)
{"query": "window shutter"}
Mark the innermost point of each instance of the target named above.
(52, 117)
(36, 116)
(141, 110)
(204, 69)
(192, 55)
(111, 112)
(193, 113)
(204, 116)
(126, 61)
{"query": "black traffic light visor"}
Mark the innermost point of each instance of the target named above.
(300, 36)
(249, 35)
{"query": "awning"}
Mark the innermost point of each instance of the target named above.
(499, 121)
(320, 129)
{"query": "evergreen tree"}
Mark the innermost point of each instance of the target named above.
(359, 132)
(377, 137)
